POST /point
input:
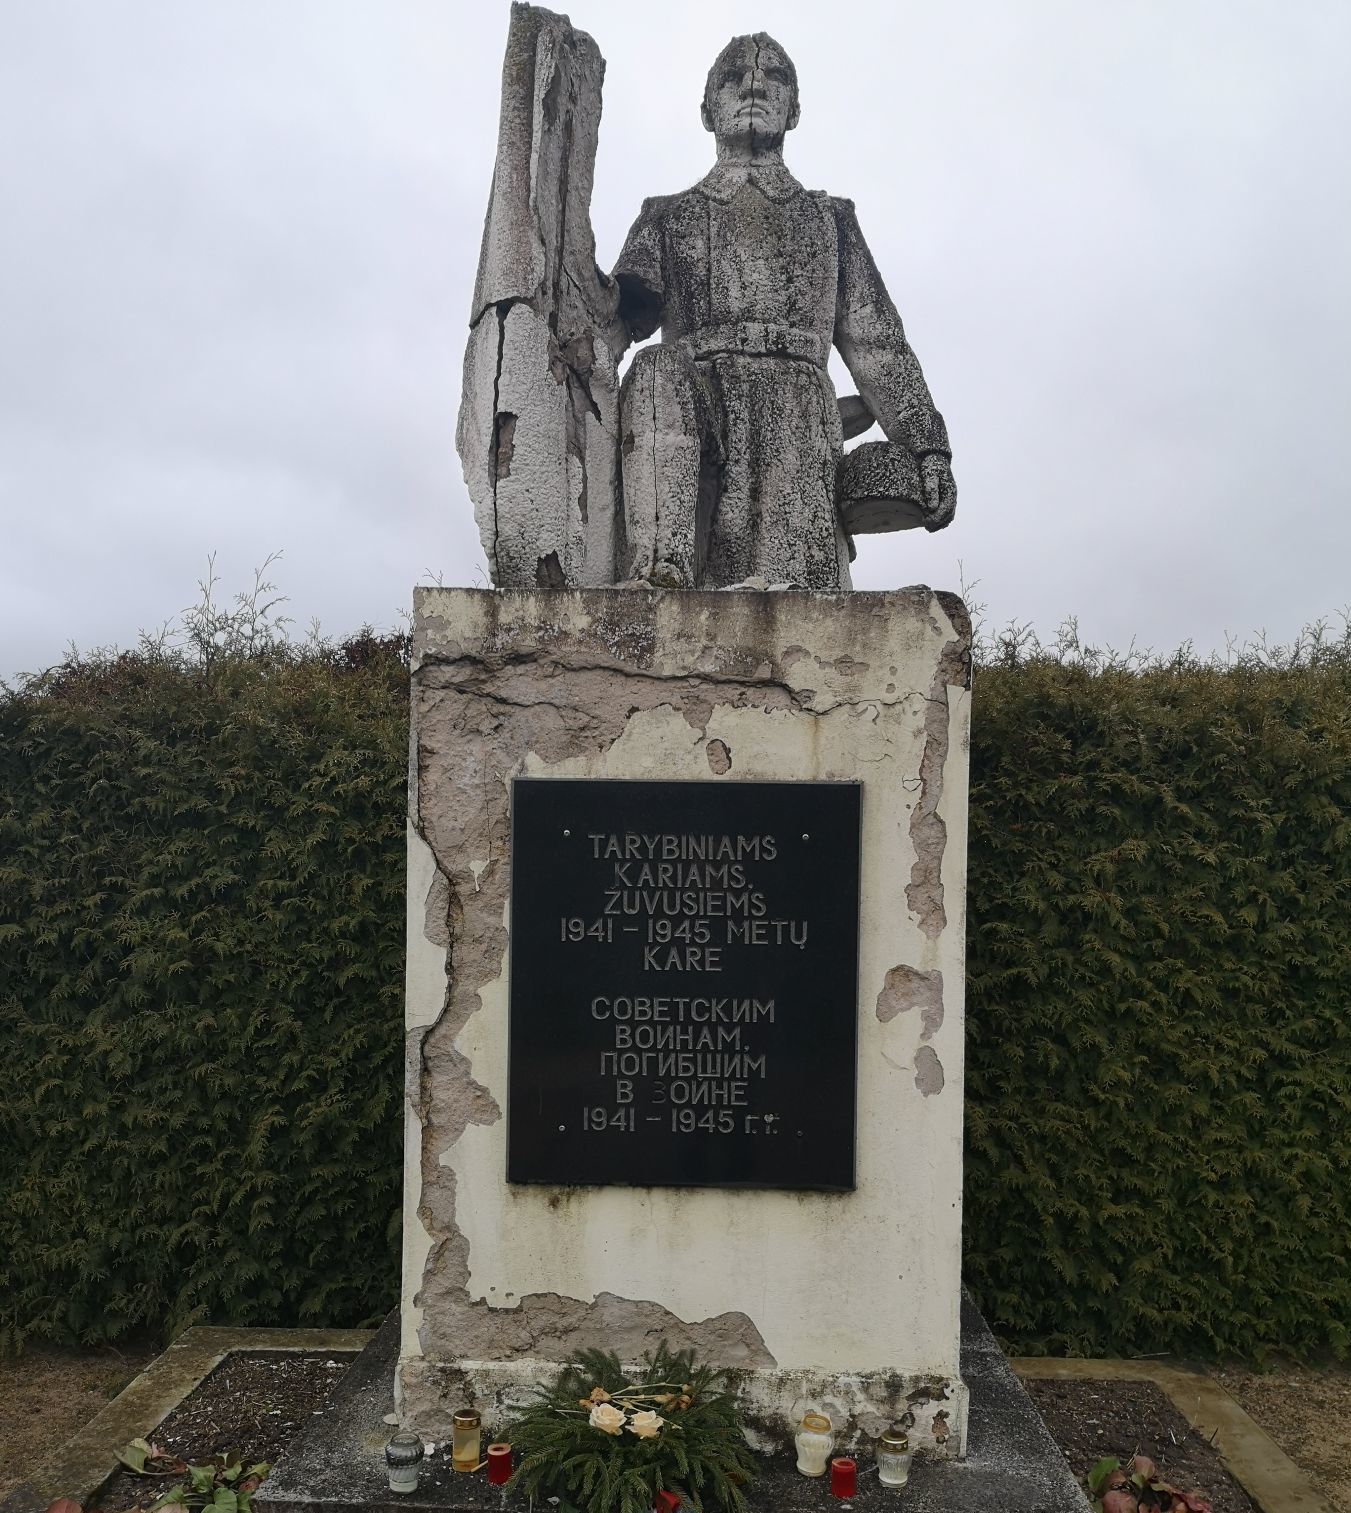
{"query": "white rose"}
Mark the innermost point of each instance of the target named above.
(607, 1418)
(646, 1424)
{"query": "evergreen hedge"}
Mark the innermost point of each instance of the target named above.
(201, 978)
(1159, 1051)
(201, 950)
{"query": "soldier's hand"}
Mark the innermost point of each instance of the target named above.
(940, 491)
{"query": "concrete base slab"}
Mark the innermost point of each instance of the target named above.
(860, 1405)
(1012, 1463)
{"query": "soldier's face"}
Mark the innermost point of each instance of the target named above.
(751, 95)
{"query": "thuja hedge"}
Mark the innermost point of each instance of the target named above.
(201, 969)
(1159, 1046)
(201, 958)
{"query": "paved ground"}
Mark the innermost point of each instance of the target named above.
(1308, 1414)
(47, 1394)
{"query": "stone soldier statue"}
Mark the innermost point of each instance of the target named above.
(731, 433)
(720, 460)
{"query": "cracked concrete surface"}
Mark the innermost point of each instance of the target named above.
(539, 415)
(627, 683)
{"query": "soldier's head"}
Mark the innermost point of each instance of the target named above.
(751, 93)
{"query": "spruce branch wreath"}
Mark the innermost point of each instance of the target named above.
(603, 1440)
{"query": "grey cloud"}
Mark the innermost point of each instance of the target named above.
(239, 241)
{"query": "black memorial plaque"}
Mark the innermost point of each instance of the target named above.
(683, 983)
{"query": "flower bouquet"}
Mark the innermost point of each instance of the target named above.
(602, 1441)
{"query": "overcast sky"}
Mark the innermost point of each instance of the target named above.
(239, 238)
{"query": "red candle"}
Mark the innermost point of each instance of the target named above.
(843, 1476)
(499, 1464)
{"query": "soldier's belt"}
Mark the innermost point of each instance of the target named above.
(757, 339)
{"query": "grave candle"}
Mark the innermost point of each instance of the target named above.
(893, 1457)
(465, 1439)
(403, 1457)
(813, 1442)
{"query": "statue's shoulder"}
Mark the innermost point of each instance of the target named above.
(834, 206)
(641, 257)
(657, 207)
(846, 223)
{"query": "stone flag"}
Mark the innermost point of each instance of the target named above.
(538, 429)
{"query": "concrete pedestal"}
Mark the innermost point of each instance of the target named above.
(848, 1302)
